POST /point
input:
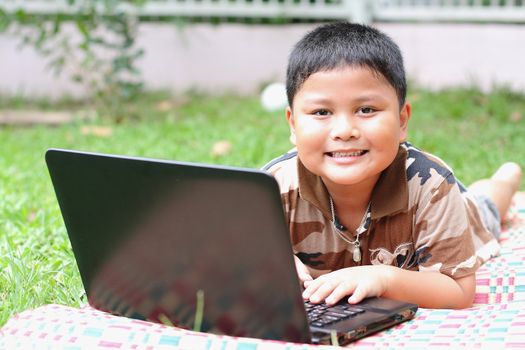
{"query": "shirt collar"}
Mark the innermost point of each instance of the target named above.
(389, 197)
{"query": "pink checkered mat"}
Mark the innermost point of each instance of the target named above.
(497, 320)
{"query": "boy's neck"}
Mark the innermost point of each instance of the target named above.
(351, 199)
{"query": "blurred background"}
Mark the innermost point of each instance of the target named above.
(218, 46)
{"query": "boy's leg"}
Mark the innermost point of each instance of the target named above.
(501, 187)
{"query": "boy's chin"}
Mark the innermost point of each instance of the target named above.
(340, 179)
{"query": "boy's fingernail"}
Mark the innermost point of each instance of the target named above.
(307, 283)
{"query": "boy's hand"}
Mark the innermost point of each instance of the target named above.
(302, 271)
(359, 281)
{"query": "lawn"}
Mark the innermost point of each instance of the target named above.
(472, 131)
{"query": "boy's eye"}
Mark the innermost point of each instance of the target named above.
(321, 112)
(366, 110)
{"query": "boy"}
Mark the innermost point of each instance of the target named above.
(369, 214)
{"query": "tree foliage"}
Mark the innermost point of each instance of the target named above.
(92, 41)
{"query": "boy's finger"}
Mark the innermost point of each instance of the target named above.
(304, 277)
(322, 292)
(340, 292)
(358, 295)
(302, 270)
(311, 288)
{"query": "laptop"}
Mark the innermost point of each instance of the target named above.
(197, 246)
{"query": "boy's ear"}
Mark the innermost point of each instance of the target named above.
(404, 116)
(291, 123)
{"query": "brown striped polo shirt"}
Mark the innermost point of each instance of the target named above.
(422, 218)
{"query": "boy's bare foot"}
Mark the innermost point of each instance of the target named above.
(511, 173)
(501, 187)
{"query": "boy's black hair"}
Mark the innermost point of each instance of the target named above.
(340, 44)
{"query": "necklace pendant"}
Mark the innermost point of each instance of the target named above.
(356, 254)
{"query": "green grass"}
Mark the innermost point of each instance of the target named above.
(473, 132)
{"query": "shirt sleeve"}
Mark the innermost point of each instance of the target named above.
(443, 233)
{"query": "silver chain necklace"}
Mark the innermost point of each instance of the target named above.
(356, 254)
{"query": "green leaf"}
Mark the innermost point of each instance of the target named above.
(77, 78)
(57, 23)
(84, 45)
(21, 16)
(41, 38)
(5, 20)
(83, 29)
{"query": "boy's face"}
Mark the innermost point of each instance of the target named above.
(347, 125)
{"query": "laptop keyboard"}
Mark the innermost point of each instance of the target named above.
(320, 315)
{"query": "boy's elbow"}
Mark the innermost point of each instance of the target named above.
(467, 286)
(467, 302)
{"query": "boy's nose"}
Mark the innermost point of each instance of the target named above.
(344, 128)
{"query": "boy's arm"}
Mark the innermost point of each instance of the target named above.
(427, 289)
(432, 289)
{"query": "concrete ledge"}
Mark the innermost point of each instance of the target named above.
(32, 117)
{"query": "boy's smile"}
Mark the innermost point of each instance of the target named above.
(347, 125)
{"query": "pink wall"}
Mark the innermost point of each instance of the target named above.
(240, 58)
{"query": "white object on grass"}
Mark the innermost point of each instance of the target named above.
(273, 97)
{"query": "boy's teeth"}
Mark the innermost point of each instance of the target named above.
(347, 154)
